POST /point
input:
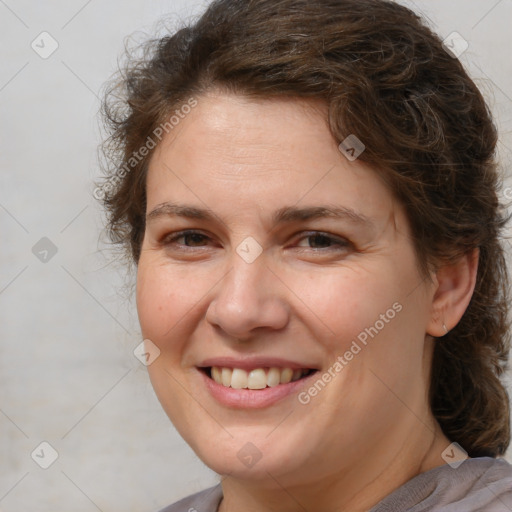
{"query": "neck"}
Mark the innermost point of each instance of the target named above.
(357, 488)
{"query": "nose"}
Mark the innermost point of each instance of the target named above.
(249, 297)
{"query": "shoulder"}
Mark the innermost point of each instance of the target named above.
(481, 483)
(204, 501)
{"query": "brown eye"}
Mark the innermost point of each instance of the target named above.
(190, 239)
(318, 240)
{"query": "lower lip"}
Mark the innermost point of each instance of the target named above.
(252, 398)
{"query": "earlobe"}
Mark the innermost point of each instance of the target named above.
(454, 286)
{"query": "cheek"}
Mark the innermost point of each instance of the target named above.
(169, 300)
(344, 302)
(161, 301)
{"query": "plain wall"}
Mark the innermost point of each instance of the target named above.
(68, 375)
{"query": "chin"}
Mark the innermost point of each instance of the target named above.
(252, 454)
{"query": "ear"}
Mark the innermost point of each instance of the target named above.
(453, 288)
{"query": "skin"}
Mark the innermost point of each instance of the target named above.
(304, 298)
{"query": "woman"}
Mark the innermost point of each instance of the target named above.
(309, 192)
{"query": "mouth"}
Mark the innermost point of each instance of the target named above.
(256, 378)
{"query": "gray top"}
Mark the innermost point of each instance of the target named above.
(481, 484)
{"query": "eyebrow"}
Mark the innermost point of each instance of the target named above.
(287, 214)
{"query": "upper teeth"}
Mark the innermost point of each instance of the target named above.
(258, 378)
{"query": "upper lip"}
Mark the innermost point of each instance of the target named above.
(251, 363)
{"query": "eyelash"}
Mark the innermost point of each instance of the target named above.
(340, 242)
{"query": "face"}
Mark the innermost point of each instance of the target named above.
(269, 256)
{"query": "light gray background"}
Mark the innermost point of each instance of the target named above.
(68, 375)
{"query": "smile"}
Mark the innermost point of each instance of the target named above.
(258, 378)
(253, 382)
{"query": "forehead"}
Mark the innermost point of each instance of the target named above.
(240, 128)
(231, 151)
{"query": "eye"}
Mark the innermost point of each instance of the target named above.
(324, 241)
(193, 237)
(315, 240)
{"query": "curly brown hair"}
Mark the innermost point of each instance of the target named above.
(386, 77)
